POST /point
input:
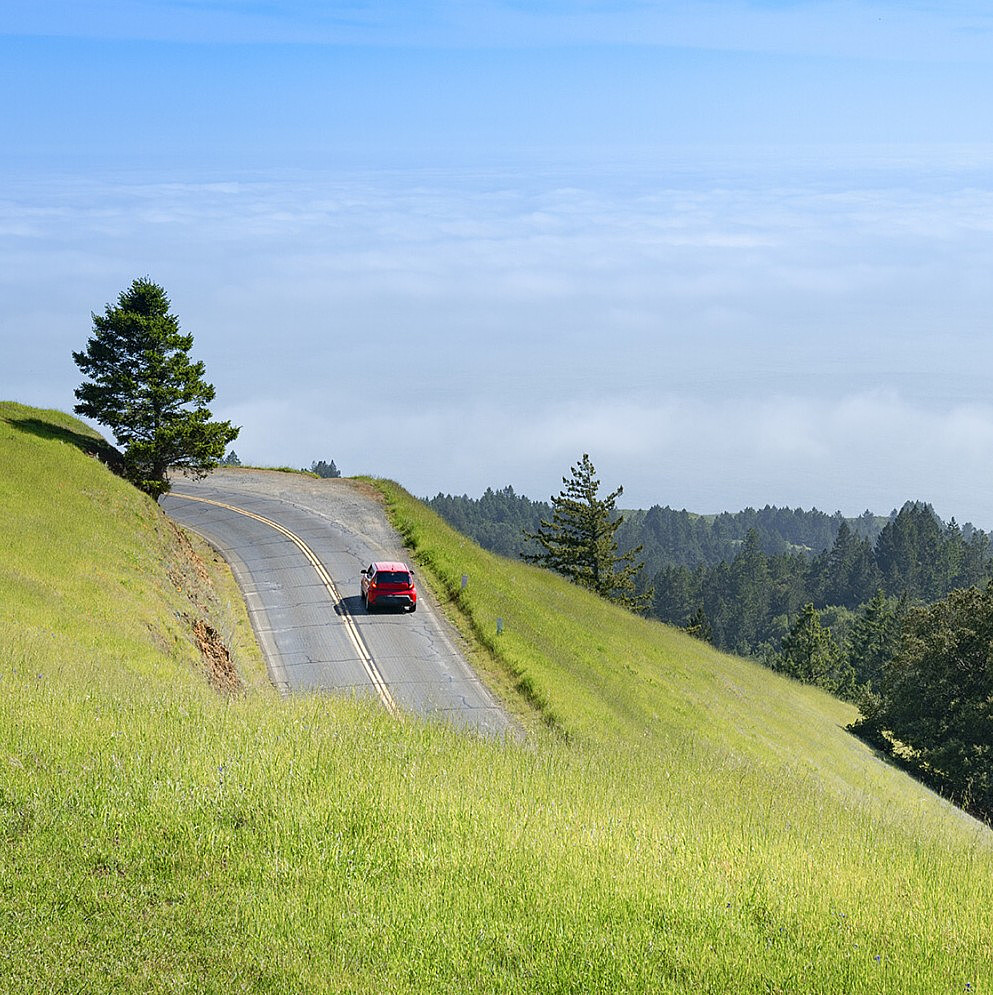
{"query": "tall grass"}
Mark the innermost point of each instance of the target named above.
(677, 820)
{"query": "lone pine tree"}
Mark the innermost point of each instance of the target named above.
(579, 542)
(144, 387)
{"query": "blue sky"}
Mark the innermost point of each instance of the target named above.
(738, 252)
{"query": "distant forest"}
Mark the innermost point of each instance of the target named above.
(746, 576)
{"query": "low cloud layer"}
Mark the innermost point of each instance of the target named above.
(874, 450)
(714, 333)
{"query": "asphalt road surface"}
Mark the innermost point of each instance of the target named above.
(297, 545)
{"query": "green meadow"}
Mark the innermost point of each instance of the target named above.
(672, 819)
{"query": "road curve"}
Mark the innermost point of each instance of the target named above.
(296, 546)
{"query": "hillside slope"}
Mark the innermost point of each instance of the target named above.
(682, 820)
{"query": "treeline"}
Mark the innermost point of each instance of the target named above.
(751, 601)
(680, 538)
(498, 519)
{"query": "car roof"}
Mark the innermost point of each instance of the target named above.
(390, 565)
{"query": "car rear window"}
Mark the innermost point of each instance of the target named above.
(393, 577)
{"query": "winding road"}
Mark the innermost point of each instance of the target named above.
(296, 546)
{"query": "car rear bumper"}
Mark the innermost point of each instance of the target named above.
(391, 601)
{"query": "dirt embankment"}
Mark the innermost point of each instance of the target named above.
(189, 574)
(221, 670)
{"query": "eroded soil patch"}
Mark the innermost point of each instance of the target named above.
(221, 670)
(188, 574)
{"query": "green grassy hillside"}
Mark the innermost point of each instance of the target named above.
(677, 819)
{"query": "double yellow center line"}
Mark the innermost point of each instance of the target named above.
(351, 629)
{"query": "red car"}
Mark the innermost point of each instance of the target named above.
(389, 584)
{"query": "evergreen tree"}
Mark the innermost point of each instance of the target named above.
(579, 541)
(325, 469)
(676, 595)
(699, 627)
(874, 638)
(715, 594)
(974, 566)
(144, 387)
(810, 654)
(231, 459)
(788, 575)
(867, 526)
(846, 574)
(908, 553)
(747, 596)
